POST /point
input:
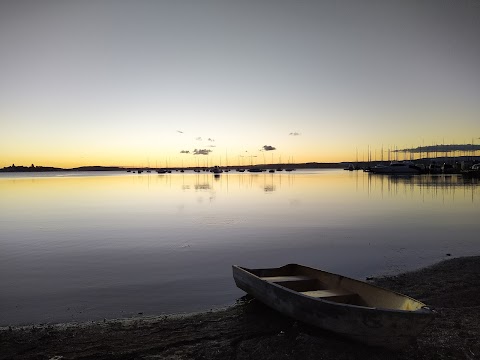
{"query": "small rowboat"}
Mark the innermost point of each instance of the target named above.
(351, 308)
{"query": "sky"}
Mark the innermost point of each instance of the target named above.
(148, 83)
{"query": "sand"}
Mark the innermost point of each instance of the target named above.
(250, 330)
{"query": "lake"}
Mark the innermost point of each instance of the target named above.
(78, 246)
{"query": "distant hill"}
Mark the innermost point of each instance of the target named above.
(33, 168)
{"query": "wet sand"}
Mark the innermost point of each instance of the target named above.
(250, 330)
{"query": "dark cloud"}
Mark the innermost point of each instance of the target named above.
(209, 139)
(294, 133)
(441, 148)
(269, 148)
(185, 152)
(201, 151)
(179, 131)
(198, 138)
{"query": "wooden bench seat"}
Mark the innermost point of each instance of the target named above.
(305, 285)
(279, 279)
(329, 294)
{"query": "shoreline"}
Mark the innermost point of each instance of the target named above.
(34, 169)
(250, 330)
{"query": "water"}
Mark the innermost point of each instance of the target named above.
(87, 246)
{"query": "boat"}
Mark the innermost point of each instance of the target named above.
(473, 172)
(354, 309)
(434, 168)
(216, 170)
(397, 167)
(448, 169)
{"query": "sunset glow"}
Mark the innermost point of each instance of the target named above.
(121, 83)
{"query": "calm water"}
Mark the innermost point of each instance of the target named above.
(88, 246)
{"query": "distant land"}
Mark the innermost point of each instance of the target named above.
(33, 168)
(308, 165)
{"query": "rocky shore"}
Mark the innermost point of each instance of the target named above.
(249, 330)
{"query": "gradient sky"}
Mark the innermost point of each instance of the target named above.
(116, 82)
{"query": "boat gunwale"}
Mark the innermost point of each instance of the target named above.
(424, 310)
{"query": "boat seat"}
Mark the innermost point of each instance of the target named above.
(279, 279)
(330, 294)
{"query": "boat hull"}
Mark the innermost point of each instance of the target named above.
(397, 168)
(377, 327)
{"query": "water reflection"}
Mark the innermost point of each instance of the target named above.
(269, 188)
(444, 187)
(201, 187)
(98, 245)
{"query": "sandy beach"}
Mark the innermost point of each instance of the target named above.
(250, 330)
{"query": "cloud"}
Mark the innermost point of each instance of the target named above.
(179, 131)
(440, 148)
(268, 148)
(185, 152)
(212, 145)
(201, 151)
(198, 138)
(209, 139)
(294, 133)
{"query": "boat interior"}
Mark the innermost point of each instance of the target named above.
(312, 287)
(332, 287)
